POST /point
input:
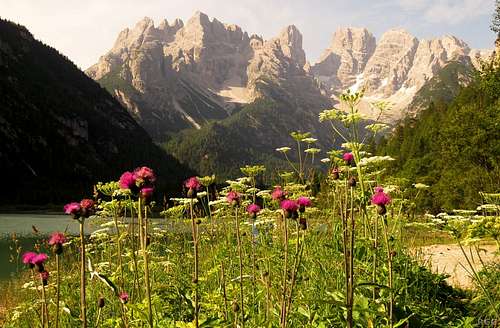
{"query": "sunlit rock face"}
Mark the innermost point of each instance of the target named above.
(174, 76)
(177, 76)
(393, 69)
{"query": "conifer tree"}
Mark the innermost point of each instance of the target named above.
(495, 22)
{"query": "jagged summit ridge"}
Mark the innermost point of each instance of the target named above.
(392, 69)
(186, 74)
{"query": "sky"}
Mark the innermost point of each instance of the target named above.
(83, 30)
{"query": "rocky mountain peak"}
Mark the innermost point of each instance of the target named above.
(346, 57)
(176, 25)
(290, 40)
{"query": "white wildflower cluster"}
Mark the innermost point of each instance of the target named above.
(489, 208)
(352, 118)
(283, 149)
(312, 150)
(100, 234)
(331, 115)
(353, 146)
(375, 160)
(310, 140)
(201, 194)
(420, 186)
(377, 127)
(184, 201)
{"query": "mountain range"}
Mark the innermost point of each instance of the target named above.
(176, 76)
(217, 96)
(201, 95)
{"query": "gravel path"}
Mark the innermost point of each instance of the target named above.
(449, 259)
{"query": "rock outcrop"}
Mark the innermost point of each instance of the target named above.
(346, 57)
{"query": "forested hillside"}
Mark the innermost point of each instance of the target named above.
(453, 147)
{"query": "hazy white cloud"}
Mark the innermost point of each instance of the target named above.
(449, 11)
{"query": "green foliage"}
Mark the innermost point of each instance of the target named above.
(247, 137)
(452, 147)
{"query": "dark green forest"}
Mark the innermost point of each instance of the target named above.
(60, 131)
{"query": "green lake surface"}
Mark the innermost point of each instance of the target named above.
(21, 227)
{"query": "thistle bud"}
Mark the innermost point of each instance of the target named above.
(352, 182)
(303, 223)
(235, 306)
(381, 209)
(45, 277)
(335, 174)
(191, 193)
(100, 302)
(57, 249)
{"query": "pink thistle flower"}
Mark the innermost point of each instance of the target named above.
(233, 197)
(123, 297)
(127, 180)
(192, 183)
(87, 206)
(39, 259)
(145, 175)
(57, 238)
(304, 201)
(381, 199)
(289, 205)
(378, 189)
(348, 157)
(278, 193)
(72, 208)
(28, 258)
(253, 209)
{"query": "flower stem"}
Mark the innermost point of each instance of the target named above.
(45, 317)
(195, 278)
(298, 257)
(285, 276)
(143, 229)
(83, 280)
(375, 249)
(119, 250)
(223, 278)
(389, 263)
(350, 322)
(58, 291)
(240, 258)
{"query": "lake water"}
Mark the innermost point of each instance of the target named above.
(22, 225)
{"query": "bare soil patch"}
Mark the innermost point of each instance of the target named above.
(450, 260)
